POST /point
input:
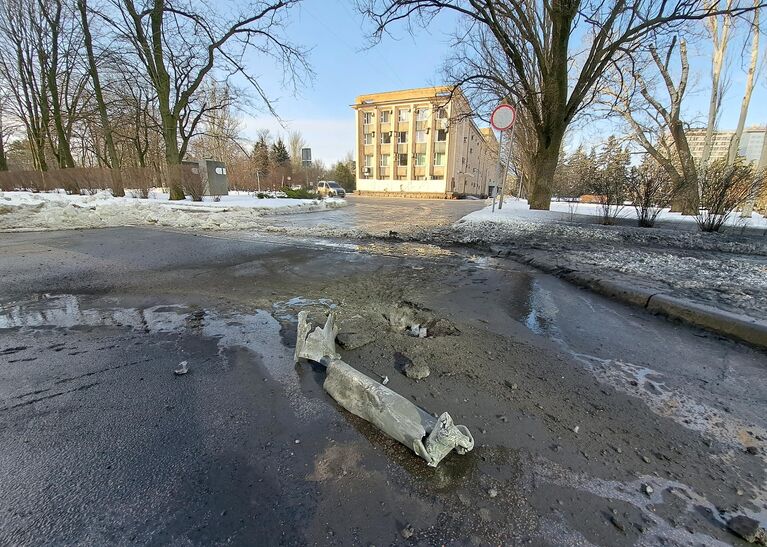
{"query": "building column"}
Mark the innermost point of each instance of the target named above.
(376, 147)
(411, 144)
(430, 143)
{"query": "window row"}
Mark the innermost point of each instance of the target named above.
(401, 136)
(403, 115)
(402, 160)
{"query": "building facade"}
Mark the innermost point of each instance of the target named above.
(422, 143)
(750, 146)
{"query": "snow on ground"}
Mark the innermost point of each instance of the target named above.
(22, 211)
(727, 270)
(514, 210)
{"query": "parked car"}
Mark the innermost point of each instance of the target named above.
(330, 188)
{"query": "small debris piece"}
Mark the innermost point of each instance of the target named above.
(576, 429)
(748, 529)
(183, 368)
(492, 492)
(752, 450)
(510, 384)
(617, 523)
(416, 370)
(647, 489)
(645, 459)
(384, 380)
(297, 441)
(407, 532)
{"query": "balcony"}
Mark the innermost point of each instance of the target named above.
(440, 146)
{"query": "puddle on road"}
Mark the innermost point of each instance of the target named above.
(258, 332)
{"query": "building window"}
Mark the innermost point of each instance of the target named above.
(384, 160)
(420, 136)
(367, 117)
(420, 160)
(368, 160)
(404, 115)
(386, 137)
(402, 137)
(385, 116)
(439, 158)
(441, 114)
(368, 138)
(422, 114)
(436, 177)
(402, 161)
(441, 135)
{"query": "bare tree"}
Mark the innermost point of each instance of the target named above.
(720, 41)
(295, 143)
(106, 124)
(179, 43)
(656, 122)
(552, 78)
(748, 88)
(20, 68)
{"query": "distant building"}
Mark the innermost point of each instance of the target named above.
(696, 139)
(422, 143)
(750, 146)
(751, 143)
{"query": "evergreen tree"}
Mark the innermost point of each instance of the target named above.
(344, 176)
(280, 155)
(260, 157)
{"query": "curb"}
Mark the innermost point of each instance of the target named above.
(738, 326)
(735, 325)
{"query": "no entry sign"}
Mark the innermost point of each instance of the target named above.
(503, 117)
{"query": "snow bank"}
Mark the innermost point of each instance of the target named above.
(27, 211)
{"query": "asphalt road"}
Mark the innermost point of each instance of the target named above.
(577, 403)
(376, 215)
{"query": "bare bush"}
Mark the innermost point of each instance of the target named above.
(191, 180)
(650, 190)
(723, 189)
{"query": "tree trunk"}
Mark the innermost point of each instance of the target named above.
(106, 125)
(173, 158)
(544, 165)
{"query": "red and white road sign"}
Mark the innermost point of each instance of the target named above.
(503, 117)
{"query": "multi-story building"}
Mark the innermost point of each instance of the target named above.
(696, 139)
(422, 143)
(750, 146)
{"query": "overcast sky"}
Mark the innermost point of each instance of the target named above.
(337, 36)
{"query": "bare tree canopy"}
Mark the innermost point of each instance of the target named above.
(550, 58)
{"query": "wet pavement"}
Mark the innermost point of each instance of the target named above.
(380, 215)
(577, 403)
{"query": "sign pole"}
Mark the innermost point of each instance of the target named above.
(500, 169)
(502, 119)
(506, 167)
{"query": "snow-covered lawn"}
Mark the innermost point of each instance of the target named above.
(21, 211)
(514, 209)
(728, 270)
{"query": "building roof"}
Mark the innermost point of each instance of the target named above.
(420, 93)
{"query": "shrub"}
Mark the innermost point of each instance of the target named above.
(650, 190)
(723, 188)
(301, 193)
